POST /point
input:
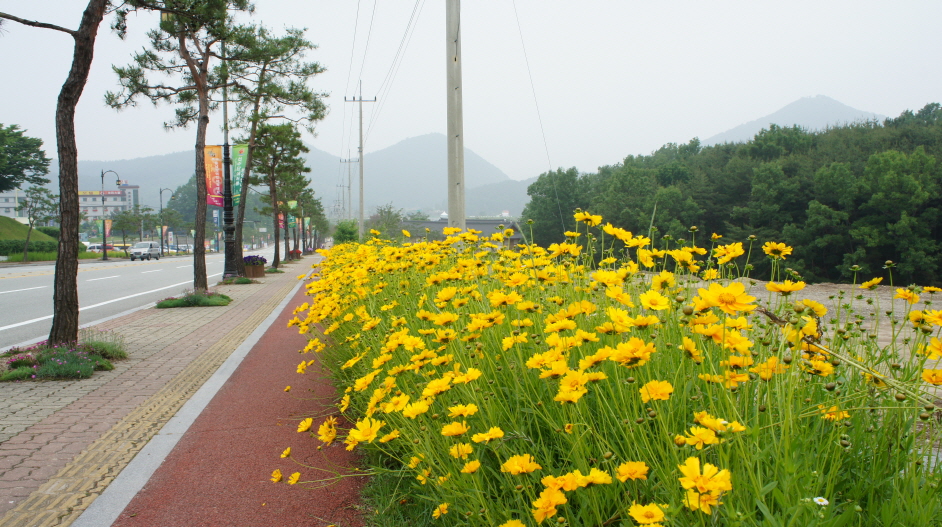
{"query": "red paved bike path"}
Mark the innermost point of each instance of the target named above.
(219, 473)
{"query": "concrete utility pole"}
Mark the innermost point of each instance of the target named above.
(361, 101)
(348, 213)
(456, 215)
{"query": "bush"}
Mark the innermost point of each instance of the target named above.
(49, 231)
(19, 374)
(12, 247)
(196, 299)
(65, 362)
(107, 344)
(49, 256)
(515, 387)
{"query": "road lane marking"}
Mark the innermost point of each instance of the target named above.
(154, 271)
(105, 278)
(18, 290)
(40, 319)
(182, 266)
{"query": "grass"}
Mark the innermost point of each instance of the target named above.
(239, 280)
(195, 299)
(47, 257)
(389, 498)
(10, 229)
(273, 270)
(94, 352)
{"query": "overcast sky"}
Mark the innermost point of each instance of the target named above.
(611, 78)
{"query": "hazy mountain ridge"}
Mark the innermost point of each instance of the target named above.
(812, 113)
(411, 174)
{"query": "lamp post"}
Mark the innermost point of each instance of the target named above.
(104, 231)
(229, 267)
(172, 197)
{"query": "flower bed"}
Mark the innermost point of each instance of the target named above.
(537, 386)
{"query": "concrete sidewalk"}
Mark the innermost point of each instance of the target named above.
(63, 442)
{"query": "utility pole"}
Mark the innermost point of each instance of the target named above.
(456, 215)
(350, 184)
(361, 101)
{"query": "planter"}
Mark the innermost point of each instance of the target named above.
(254, 271)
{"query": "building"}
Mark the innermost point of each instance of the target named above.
(9, 200)
(125, 198)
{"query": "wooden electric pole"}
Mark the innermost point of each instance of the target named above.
(456, 214)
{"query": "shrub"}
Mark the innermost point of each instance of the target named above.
(50, 231)
(273, 270)
(19, 374)
(13, 247)
(196, 299)
(254, 260)
(515, 387)
(50, 256)
(108, 344)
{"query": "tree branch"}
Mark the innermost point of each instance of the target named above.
(34, 23)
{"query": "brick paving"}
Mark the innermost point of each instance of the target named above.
(63, 442)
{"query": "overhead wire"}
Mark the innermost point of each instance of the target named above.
(343, 135)
(397, 61)
(539, 117)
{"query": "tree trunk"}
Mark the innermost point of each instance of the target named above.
(240, 264)
(200, 282)
(287, 239)
(26, 247)
(65, 318)
(273, 193)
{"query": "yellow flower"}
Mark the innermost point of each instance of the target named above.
(785, 288)
(293, 478)
(587, 218)
(646, 514)
(716, 236)
(493, 433)
(710, 274)
(833, 413)
(390, 436)
(872, 283)
(406, 233)
(702, 502)
(776, 250)
(712, 480)
(441, 510)
(907, 295)
(653, 300)
(366, 430)
(512, 523)
(286, 453)
(276, 476)
(522, 464)
(726, 253)
(471, 467)
(455, 428)
(731, 299)
(461, 451)
(657, 390)
(932, 376)
(632, 470)
(545, 505)
(305, 424)
(699, 436)
(287, 388)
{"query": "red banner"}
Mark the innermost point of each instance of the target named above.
(281, 220)
(107, 227)
(214, 183)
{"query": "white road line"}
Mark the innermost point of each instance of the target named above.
(154, 271)
(182, 266)
(18, 290)
(105, 278)
(40, 319)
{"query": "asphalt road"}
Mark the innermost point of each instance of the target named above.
(106, 289)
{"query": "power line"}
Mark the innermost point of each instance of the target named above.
(369, 33)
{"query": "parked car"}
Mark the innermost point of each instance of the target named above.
(145, 250)
(96, 248)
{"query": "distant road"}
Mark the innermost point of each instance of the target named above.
(105, 289)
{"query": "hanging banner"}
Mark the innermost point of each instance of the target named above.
(107, 227)
(212, 156)
(281, 220)
(292, 222)
(240, 154)
(292, 204)
(307, 223)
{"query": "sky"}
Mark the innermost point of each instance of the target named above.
(547, 83)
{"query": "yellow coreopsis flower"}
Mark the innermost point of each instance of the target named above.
(415, 409)
(305, 424)
(653, 300)
(632, 470)
(522, 464)
(471, 467)
(293, 478)
(710, 274)
(390, 436)
(512, 523)
(461, 451)
(286, 453)
(441, 510)
(455, 429)
(276, 476)
(462, 410)
(907, 295)
(406, 233)
(656, 390)
(493, 433)
(785, 288)
(932, 376)
(726, 253)
(588, 219)
(366, 430)
(776, 250)
(872, 283)
(699, 436)
(833, 413)
(731, 299)
(712, 480)
(646, 514)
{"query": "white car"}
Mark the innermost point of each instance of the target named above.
(145, 250)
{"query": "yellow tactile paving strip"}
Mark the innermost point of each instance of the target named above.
(66, 494)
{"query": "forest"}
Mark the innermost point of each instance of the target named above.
(852, 200)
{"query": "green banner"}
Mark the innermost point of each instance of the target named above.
(240, 154)
(292, 222)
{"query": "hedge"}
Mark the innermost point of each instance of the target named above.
(8, 247)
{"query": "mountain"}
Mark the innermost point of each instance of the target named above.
(411, 174)
(812, 113)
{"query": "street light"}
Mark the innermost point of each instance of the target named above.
(104, 233)
(172, 197)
